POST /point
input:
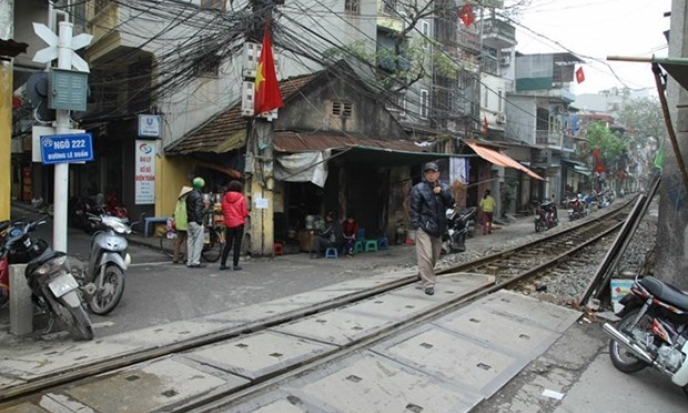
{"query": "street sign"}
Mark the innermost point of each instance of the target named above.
(76, 147)
(150, 126)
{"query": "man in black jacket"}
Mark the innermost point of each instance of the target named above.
(429, 202)
(194, 216)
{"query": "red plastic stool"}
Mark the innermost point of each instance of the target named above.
(278, 249)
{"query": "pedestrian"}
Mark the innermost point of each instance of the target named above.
(349, 231)
(487, 206)
(235, 212)
(180, 224)
(429, 202)
(330, 237)
(194, 215)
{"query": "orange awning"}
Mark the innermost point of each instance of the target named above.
(501, 159)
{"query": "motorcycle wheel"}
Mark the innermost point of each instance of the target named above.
(106, 299)
(622, 359)
(212, 250)
(74, 318)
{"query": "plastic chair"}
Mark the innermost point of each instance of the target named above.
(371, 245)
(358, 246)
(360, 234)
(382, 243)
(331, 252)
(278, 249)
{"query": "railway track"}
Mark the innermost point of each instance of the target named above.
(504, 269)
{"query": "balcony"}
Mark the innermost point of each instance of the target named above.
(498, 34)
(469, 40)
(547, 138)
(569, 144)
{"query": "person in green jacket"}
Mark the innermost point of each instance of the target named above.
(181, 225)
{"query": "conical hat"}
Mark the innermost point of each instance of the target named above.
(185, 190)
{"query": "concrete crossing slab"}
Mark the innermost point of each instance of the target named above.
(501, 331)
(369, 383)
(160, 384)
(549, 315)
(452, 358)
(259, 354)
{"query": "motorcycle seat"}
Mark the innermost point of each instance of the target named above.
(46, 256)
(665, 292)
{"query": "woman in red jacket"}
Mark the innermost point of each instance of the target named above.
(235, 212)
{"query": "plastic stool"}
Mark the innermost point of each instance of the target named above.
(382, 243)
(278, 249)
(331, 252)
(358, 247)
(371, 245)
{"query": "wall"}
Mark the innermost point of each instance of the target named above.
(672, 226)
(520, 114)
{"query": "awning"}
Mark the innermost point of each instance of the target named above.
(357, 149)
(501, 159)
(582, 170)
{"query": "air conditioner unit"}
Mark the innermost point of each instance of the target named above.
(501, 118)
(505, 60)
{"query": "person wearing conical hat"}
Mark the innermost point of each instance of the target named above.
(194, 216)
(180, 223)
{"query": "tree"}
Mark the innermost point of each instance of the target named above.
(643, 119)
(603, 147)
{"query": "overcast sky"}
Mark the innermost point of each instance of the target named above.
(595, 29)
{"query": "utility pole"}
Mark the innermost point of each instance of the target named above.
(259, 154)
(6, 33)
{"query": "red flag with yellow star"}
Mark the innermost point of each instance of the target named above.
(267, 93)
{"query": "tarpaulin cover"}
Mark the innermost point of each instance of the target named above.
(302, 167)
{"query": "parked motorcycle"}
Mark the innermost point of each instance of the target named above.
(115, 208)
(653, 331)
(83, 207)
(458, 227)
(53, 288)
(103, 279)
(577, 208)
(545, 216)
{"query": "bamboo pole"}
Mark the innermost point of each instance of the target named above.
(670, 129)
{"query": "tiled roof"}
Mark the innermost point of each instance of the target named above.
(227, 131)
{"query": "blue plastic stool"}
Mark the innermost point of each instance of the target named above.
(382, 243)
(358, 247)
(360, 234)
(331, 252)
(371, 245)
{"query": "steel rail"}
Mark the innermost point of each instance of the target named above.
(118, 362)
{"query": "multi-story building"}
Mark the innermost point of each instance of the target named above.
(538, 115)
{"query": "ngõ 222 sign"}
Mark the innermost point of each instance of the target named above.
(66, 148)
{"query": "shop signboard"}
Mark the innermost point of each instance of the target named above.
(144, 175)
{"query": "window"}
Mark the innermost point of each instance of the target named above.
(389, 6)
(343, 109)
(425, 29)
(212, 4)
(424, 103)
(352, 6)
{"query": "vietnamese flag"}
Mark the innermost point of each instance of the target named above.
(580, 76)
(267, 93)
(466, 14)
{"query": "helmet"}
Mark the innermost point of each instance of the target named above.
(198, 183)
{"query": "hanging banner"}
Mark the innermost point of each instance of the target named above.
(144, 175)
(458, 170)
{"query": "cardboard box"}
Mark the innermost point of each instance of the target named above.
(619, 288)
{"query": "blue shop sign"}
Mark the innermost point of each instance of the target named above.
(76, 147)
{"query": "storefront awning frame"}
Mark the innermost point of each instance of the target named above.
(501, 159)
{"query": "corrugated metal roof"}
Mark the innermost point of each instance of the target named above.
(288, 141)
(227, 130)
